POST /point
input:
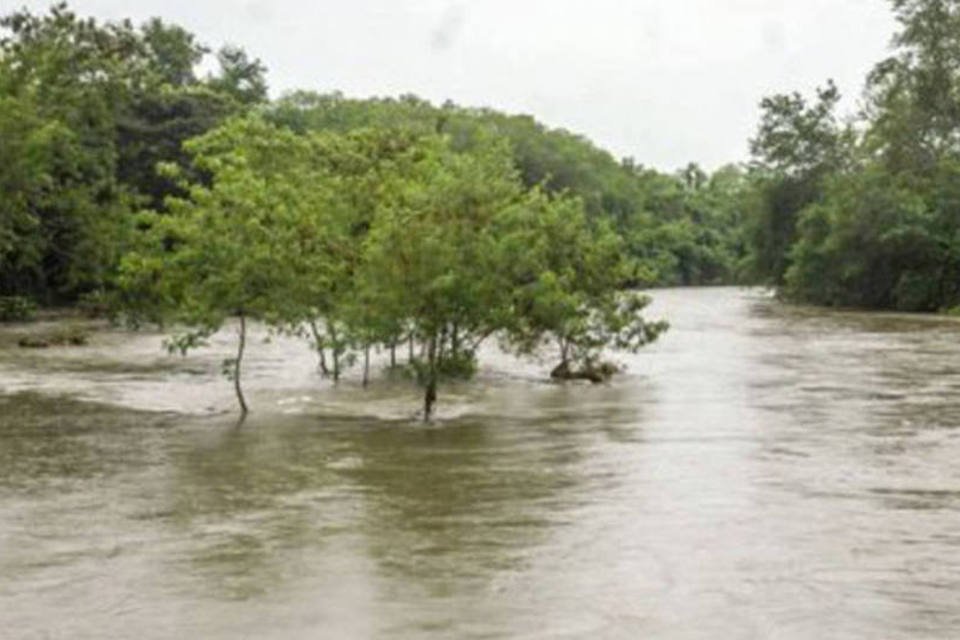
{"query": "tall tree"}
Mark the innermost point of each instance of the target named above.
(241, 76)
(913, 96)
(430, 250)
(76, 75)
(798, 144)
(173, 52)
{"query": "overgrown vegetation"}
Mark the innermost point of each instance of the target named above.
(866, 212)
(379, 237)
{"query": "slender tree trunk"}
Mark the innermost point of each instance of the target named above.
(430, 398)
(393, 353)
(430, 392)
(410, 348)
(945, 263)
(562, 370)
(455, 341)
(318, 341)
(332, 330)
(238, 364)
(323, 362)
(366, 365)
(441, 350)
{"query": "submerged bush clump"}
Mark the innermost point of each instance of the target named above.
(16, 309)
(64, 337)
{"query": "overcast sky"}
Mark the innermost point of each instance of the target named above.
(664, 81)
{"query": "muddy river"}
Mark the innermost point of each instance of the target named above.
(764, 471)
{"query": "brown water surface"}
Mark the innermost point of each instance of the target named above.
(763, 472)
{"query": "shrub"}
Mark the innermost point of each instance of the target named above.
(16, 309)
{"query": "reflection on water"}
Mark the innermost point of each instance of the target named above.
(765, 471)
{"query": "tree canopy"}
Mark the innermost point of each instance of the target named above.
(88, 110)
(865, 213)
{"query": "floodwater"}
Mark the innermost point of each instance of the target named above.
(763, 472)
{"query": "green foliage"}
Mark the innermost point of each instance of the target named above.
(879, 241)
(16, 309)
(373, 235)
(174, 53)
(567, 275)
(59, 88)
(248, 242)
(696, 236)
(152, 131)
(253, 243)
(797, 146)
(869, 220)
(87, 111)
(430, 255)
(800, 139)
(461, 365)
(240, 76)
(679, 232)
(912, 109)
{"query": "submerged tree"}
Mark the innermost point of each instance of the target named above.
(567, 277)
(374, 236)
(430, 255)
(250, 245)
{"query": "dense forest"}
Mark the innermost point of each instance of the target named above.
(865, 211)
(134, 185)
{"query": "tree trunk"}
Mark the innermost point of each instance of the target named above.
(332, 330)
(393, 354)
(429, 399)
(366, 365)
(441, 350)
(323, 363)
(318, 341)
(238, 364)
(430, 392)
(410, 348)
(562, 370)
